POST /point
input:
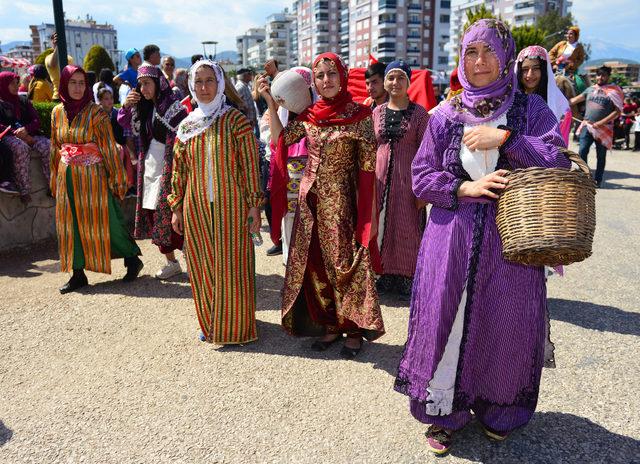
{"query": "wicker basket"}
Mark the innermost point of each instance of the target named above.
(547, 216)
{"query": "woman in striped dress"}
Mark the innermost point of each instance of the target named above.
(86, 176)
(399, 126)
(215, 201)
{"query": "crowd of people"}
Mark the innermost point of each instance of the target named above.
(344, 187)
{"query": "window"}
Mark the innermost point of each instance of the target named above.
(445, 4)
(443, 60)
(444, 18)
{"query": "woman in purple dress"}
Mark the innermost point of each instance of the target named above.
(476, 329)
(399, 125)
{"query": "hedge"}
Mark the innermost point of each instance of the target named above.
(44, 110)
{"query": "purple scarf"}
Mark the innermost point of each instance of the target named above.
(476, 105)
(167, 106)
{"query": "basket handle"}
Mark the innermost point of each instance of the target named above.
(574, 157)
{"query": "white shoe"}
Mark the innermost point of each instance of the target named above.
(169, 270)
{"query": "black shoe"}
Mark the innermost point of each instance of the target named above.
(598, 183)
(275, 250)
(350, 353)
(78, 280)
(320, 345)
(134, 266)
(384, 284)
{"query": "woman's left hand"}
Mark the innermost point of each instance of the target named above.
(483, 138)
(254, 220)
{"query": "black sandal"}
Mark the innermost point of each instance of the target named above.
(320, 345)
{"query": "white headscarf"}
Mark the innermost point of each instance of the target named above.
(205, 114)
(556, 100)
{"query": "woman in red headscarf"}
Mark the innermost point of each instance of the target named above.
(86, 176)
(330, 283)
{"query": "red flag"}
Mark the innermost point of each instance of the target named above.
(372, 59)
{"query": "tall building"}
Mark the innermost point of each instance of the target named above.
(520, 12)
(414, 30)
(278, 38)
(246, 41)
(81, 35)
(515, 12)
(293, 37)
(318, 23)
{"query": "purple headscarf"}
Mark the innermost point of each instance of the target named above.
(167, 107)
(476, 105)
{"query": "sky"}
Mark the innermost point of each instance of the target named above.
(180, 27)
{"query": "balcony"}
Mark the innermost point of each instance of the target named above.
(387, 19)
(387, 5)
(387, 46)
(414, 6)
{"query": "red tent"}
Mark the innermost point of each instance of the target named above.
(6, 62)
(420, 90)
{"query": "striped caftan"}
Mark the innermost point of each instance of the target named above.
(91, 185)
(401, 223)
(216, 180)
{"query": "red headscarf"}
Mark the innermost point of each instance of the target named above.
(6, 78)
(72, 106)
(340, 109)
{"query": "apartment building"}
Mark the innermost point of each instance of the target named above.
(249, 40)
(279, 43)
(81, 35)
(629, 70)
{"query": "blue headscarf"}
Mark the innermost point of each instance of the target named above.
(398, 65)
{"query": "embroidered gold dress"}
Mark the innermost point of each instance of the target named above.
(326, 262)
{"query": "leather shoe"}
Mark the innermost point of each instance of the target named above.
(275, 250)
(75, 282)
(134, 266)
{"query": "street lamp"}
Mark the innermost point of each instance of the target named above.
(204, 48)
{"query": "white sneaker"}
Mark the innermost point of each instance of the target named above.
(169, 270)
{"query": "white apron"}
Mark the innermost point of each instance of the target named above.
(153, 165)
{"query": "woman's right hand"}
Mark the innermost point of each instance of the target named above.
(177, 222)
(132, 99)
(481, 187)
(264, 87)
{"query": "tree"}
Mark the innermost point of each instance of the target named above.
(473, 15)
(619, 79)
(97, 59)
(43, 55)
(527, 35)
(554, 26)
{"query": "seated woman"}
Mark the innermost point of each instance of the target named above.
(477, 322)
(533, 69)
(215, 200)
(87, 176)
(23, 123)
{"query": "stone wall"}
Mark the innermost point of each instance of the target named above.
(23, 225)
